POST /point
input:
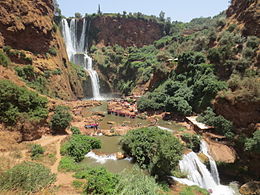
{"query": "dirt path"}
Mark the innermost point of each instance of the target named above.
(54, 168)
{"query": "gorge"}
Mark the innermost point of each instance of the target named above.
(183, 117)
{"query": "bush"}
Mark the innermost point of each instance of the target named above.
(154, 149)
(75, 130)
(61, 118)
(137, 182)
(79, 145)
(221, 125)
(178, 105)
(99, 181)
(28, 177)
(68, 164)
(36, 150)
(20, 102)
(52, 51)
(4, 60)
(192, 141)
(26, 72)
(253, 144)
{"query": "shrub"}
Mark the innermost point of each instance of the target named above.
(192, 141)
(137, 182)
(154, 149)
(61, 118)
(57, 71)
(75, 130)
(52, 51)
(221, 125)
(20, 102)
(26, 72)
(253, 144)
(28, 177)
(99, 181)
(252, 42)
(178, 105)
(67, 164)
(79, 145)
(36, 150)
(4, 60)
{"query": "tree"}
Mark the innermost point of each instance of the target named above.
(154, 149)
(61, 118)
(253, 144)
(78, 15)
(161, 16)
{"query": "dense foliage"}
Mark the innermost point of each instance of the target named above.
(27, 176)
(16, 102)
(154, 149)
(220, 124)
(190, 88)
(192, 141)
(61, 118)
(137, 182)
(4, 60)
(99, 181)
(75, 130)
(79, 145)
(253, 144)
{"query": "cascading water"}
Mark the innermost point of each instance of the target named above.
(198, 174)
(213, 166)
(77, 53)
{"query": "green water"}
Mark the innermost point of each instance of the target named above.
(118, 120)
(109, 145)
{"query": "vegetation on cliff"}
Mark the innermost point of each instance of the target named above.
(17, 102)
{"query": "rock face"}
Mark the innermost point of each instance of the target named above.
(27, 24)
(247, 14)
(125, 32)
(241, 113)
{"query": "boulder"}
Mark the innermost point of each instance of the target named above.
(250, 188)
(120, 155)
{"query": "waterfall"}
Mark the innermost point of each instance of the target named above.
(198, 174)
(213, 166)
(77, 53)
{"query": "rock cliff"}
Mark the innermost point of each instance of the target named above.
(246, 13)
(126, 32)
(28, 26)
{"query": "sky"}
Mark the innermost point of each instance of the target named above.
(180, 10)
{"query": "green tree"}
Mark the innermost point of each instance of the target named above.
(154, 149)
(99, 181)
(61, 118)
(253, 144)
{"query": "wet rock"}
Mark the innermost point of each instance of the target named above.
(120, 155)
(250, 188)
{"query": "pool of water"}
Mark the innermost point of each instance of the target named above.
(109, 145)
(136, 122)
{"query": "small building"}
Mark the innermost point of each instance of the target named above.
(198, 126)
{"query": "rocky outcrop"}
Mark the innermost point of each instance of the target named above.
(106, 30)
(241, 113)
(27, 24)
(250, 188)
(28, 27)
(246, 14)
